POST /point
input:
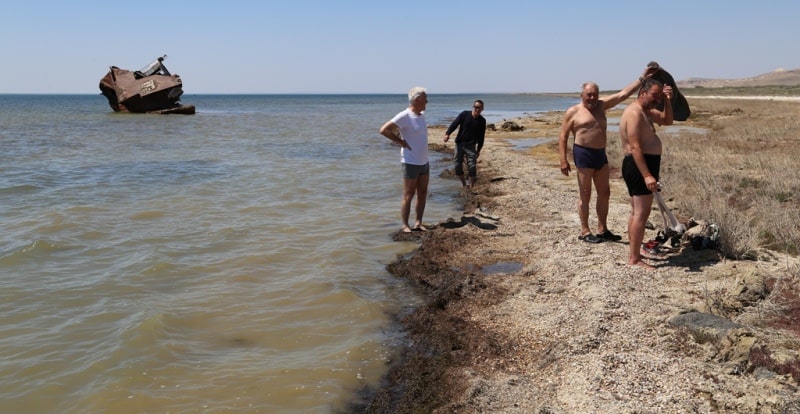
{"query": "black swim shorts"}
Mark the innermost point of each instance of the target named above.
(633, 178)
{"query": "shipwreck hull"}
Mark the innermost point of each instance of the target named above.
(154, 91)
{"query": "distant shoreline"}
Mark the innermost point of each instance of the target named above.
(748, 97)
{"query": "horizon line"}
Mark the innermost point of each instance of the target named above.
(305, 93)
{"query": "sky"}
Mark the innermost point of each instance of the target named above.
(374, 46)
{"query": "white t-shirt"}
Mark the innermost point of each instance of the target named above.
(414, 130)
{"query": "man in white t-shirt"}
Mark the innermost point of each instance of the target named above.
(409, 129)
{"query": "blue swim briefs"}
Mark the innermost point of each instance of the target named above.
(593, 158)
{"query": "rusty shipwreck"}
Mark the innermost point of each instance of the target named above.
(153, 89)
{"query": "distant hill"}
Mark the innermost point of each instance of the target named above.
(778, 77)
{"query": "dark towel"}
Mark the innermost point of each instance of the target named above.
(680, 107)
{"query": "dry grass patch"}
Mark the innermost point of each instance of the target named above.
(743, 174)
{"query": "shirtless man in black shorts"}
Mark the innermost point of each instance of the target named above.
(587, 122)
(642, 162)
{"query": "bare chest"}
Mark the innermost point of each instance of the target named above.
(588, 120)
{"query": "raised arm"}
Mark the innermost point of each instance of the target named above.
(664, 117)
(614, 100)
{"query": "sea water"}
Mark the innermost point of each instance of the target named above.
(228, 261)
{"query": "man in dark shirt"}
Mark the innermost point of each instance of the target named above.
(469, 141)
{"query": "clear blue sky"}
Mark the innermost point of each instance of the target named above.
(374, 46)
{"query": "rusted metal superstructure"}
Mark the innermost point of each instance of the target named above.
(153, 89)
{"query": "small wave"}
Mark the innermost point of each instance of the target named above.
(148, 215)
(37, 248)
(20, 189)
(40, 245)
(159, 268)
(151, 328)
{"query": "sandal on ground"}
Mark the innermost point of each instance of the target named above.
(608, 235)
(590, 238)
(652, 244)
(652, 254)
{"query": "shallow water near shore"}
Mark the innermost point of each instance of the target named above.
(525, 143)
(233, 260)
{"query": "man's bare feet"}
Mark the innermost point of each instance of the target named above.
(640, 263)
(420, 227)
(406, 229)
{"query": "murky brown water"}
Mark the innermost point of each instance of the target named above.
(231, 261)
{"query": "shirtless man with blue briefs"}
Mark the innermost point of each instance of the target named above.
(587, 122)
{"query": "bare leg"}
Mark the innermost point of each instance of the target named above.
(585, 191)
(422, 197)
(640, 212)
(463, 181)
(409, 187)
(603, 188)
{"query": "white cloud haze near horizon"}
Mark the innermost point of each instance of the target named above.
(370, 47)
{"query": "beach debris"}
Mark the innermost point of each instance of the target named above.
(511, 126)
(497, 179)
(485, 214)
(466, 220)
(673, 229)
(701, 234)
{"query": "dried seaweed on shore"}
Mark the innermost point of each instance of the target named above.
(575, 329)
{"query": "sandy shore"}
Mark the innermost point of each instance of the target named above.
(523, 317)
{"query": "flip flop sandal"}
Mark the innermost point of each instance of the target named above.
(653, 255)
(608, 235)
(590, 238)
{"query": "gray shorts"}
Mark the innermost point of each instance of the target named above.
(411, 171)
